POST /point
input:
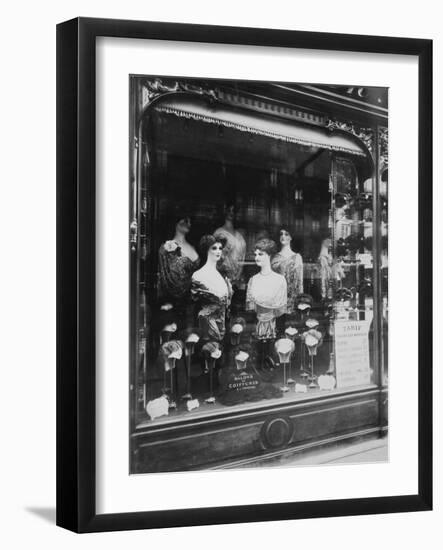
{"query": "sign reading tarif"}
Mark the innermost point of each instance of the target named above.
(352, 353)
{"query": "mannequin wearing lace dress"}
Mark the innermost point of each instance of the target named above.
(234, 249)
(177, 261)
(289, 264)
(267, 291)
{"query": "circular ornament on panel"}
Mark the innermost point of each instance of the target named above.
(276, 432)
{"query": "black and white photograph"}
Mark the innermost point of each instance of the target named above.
(220, 275)
(258, 252)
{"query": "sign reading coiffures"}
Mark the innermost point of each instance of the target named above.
(242, 381)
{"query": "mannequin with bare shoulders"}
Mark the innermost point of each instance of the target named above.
(211, 290)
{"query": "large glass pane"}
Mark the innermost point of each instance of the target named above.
(255, 268)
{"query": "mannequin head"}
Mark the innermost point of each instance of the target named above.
(285, 236)
(176, 221)
(326, 244)
(183, 225)
(211, 249)
(263, 251)
(229, 212)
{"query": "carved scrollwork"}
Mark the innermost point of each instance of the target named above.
(384, 150)
(133, 232)
(152, 89)
(364, 134)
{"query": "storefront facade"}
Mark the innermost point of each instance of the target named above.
(258, 250)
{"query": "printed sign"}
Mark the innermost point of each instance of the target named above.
(242, 381)
(352, 353)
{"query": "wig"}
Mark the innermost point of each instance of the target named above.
(205, 244)
(288, 229)
(171, 218)
(266, 245)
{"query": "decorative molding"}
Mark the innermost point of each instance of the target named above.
(133, 231)
(294, 450)
(276, 432)
(384, 149)
(194, 435)
(365, 134)
(155, 88)
(152, 89)
(240, 412)
(282, 110)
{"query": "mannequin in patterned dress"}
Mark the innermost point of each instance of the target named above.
(178, 260)
(289, 264)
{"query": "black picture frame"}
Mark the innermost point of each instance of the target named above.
(76, 254)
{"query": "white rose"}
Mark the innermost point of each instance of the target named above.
(171, 246)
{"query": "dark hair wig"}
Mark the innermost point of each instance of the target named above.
(288, 229)
(205, 244)
(171, 218)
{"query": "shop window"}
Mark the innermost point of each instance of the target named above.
(254, 270)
